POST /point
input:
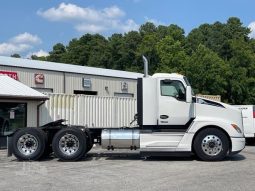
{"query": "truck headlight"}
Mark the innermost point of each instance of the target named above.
(236, 128)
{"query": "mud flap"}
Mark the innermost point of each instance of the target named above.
(9, 146)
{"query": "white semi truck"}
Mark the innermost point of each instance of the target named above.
(169, 121)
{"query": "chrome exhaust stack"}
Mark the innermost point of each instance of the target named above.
(145, 62)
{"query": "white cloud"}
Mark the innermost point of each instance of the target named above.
(26, 38)
(89, 28)
(129, 25)
(9, 48)
(252, 28)
(90, 20)
(113, 25)
(154, 21)
(113, 12)
(65, 12)
(39, 53)
(19, 44)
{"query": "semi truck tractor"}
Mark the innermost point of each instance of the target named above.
(170, 120)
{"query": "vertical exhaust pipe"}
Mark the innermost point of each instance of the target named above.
(145, 62)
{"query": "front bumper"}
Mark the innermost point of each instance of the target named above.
(238, 144)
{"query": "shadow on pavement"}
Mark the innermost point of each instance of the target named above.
(137, 156)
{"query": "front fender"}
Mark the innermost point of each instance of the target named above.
(223, 124)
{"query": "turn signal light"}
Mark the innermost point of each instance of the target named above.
(236, 128)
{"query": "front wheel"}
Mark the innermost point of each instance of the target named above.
(211, 145)
(69, 144)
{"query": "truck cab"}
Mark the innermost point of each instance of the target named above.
(171, 119)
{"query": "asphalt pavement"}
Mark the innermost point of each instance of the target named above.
(115, 170)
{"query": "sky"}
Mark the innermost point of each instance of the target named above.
(30, 27)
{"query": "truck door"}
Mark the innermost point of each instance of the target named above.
(173, 110)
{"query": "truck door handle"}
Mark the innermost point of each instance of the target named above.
(164, 116)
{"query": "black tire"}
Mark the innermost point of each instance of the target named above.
(35, 134)
(62, 152)
(211, 144)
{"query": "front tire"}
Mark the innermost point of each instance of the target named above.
(29, 143)
(211, 144)
(69, 144)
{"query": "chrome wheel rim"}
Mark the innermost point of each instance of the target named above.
(211, 145)
(27, 144)
(69, 144)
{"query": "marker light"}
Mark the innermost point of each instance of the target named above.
(236, 128)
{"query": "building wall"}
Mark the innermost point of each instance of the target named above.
(62, 82)
(53, 79)
(106, 86)
(32, 113)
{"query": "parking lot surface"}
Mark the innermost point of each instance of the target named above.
(115, 170)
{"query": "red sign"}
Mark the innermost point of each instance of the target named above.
(39, 78)
(13, 75)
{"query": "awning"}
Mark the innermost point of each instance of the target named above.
(13, 89)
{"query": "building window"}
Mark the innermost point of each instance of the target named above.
(12, 116)
(85, 92)
(123, 94)
(44, 90)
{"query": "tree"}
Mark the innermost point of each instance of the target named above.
(57, 53)
(117, 51)
(148, 48)
(35, 57)
(147, 28)
(218, 58)
(15, 55)
(172, 56)
(208, 73)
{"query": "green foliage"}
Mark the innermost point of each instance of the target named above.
(207, 72)
(218, 58)
(15, 55)
(172, 56)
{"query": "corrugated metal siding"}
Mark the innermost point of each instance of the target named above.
(55, 81)
(91, 111)
(99, 84)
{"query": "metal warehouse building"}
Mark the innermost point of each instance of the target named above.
(70, 79)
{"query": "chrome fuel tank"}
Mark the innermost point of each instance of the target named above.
(120, 139)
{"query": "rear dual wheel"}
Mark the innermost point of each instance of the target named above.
(29, 143)
(69, 144)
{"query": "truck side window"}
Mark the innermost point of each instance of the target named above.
(173, 89)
